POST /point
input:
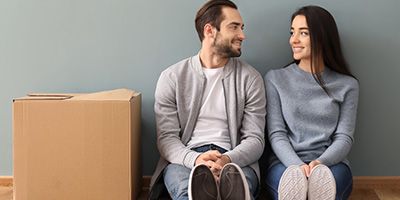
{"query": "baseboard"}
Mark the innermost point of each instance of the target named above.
(374, 182)
(6, 181)
(146, 182)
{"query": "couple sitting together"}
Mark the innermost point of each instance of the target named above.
(211, 111)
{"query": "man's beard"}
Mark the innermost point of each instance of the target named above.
(224, 48)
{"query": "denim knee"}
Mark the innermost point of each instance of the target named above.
(176, 180)
(274, 174)
(344, 180)
(252, 181)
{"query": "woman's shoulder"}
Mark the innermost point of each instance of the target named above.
(346, 80)
(279, 73)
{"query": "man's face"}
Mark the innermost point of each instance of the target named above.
(228, 40)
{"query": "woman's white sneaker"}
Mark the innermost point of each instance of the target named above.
(321, 184)
(293, 184)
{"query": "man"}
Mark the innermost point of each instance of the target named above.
(210, 115)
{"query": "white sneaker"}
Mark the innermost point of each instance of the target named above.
(233, 183)
(321, 184)
(202, 185)
(293, 184)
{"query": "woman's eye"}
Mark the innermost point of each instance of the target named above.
(304, 33)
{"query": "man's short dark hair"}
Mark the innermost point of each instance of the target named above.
(211, 13)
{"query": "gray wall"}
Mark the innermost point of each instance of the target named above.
(92, 45)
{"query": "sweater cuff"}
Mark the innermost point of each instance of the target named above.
(296, 161)
(233, 158)
(324, 161)
(190, 159)
(299, 163)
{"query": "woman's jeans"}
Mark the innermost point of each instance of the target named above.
(176, 177)
(341, 172)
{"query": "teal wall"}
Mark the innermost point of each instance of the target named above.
(93, 45)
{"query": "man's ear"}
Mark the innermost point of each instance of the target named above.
(209, 31)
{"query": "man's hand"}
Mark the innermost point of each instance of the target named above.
(219, 164)
(208, 158)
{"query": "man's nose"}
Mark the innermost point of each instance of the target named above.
(242, 36)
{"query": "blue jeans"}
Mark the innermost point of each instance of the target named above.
(176, 177)
(341, 172)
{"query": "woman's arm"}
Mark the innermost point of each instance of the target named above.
(277, 130)
(343, 136)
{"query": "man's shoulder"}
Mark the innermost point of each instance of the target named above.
(179, 69)
(179, 65)
(246, 67)
(183, 70)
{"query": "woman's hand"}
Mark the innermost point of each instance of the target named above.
(306, 169)
(313, 163)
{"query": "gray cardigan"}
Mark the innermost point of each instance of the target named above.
(177, 103)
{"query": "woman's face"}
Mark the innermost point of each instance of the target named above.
(300, 39)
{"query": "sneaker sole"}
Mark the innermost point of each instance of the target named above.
(246, 185)
(190, 186)
(321, 184)
(293, 184)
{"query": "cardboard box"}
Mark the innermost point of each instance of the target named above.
(77, 146)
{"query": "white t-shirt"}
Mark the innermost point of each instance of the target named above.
(212, 123)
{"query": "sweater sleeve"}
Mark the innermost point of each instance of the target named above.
(344, 134)
(277, 129)
(252, 140)
(169, 143)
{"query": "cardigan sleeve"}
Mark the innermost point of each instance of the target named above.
(169, 143)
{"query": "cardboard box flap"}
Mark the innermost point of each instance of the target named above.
(118, 95)
(44, 96)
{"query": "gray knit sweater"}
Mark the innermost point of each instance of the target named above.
(304, 123)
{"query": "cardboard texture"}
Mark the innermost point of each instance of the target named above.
(77, 146)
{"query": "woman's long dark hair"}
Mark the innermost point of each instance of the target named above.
(324, 41)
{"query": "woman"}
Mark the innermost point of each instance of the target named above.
(312, 105)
